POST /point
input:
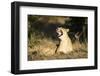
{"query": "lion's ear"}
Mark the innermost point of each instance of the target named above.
(67, 30)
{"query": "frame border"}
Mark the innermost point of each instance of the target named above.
(15, 33)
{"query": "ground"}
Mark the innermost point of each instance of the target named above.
(77, 54)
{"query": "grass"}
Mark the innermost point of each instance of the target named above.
(77, 54)
(42, 48)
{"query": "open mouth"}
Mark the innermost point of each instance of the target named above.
(59, 32)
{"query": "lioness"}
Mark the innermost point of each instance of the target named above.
(65, 45)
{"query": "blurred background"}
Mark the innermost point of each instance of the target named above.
(43, 40)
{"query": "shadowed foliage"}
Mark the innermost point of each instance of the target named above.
(43, 39)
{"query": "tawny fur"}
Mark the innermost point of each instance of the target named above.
(65, 42)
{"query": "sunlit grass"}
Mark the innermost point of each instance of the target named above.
(43, 48)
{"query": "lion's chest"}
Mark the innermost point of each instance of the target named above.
(65, 44)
